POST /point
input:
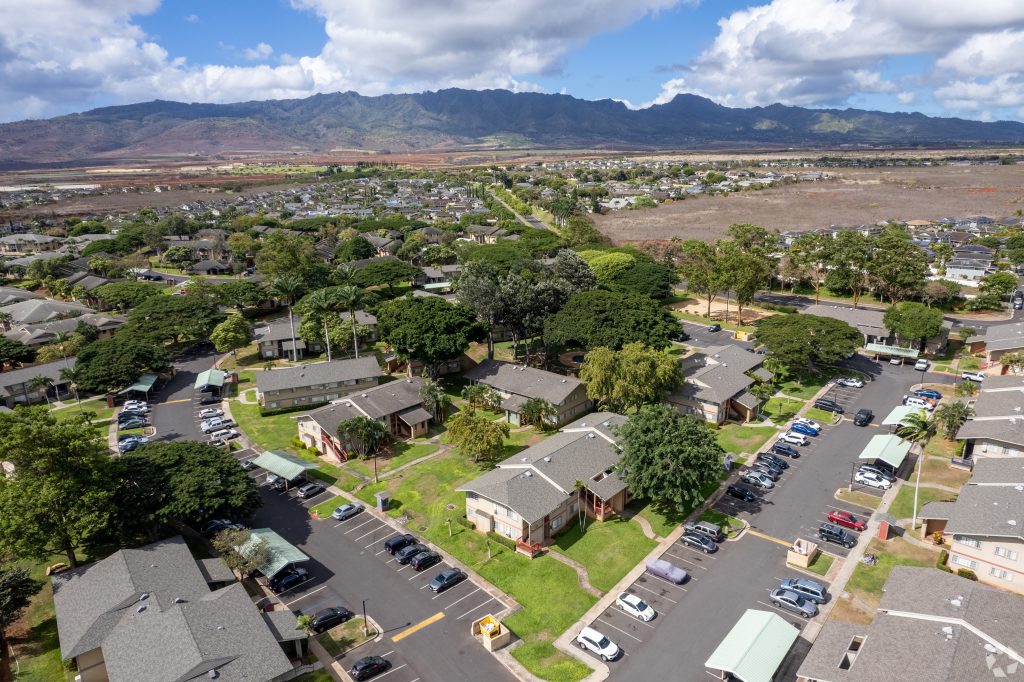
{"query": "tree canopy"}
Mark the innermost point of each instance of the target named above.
(161, 319)
(13, 352)
(231, 334)
(898, 266)
(912, 321)
(241, 294)
(799, 340)
(430, 330)
(125, 295)
(629, 378)
(385, 273)
(117, 362)
(999, 283)
(477, 436)
(605, 318)
(644, 278)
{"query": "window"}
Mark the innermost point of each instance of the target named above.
(273, 405)
(512, 515)
(556, 524)
(1006, 553)
(1001, 574)
(963, 561)
(964, 540)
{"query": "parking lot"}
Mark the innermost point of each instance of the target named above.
(700, 337)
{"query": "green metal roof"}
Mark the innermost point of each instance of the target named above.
(437, 285)
(884, 349)
(211, 377)
(288, 467)
(755, 647)
(282, 552)
(898, 413)
(890, 449)
(143, 385)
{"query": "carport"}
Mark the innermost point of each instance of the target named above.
(281, 552)
(754, 648)
(898, 414)
(143, 384)
(889, 450)
(895, 351)
(288, 467)
(210, 379)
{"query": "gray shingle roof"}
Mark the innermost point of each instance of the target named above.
(277, 330)
(380, 401)
(318, 373)
(525, 381)
(1003, 382)
(362, 317)
(43, 310)
(988, 510)
(998, 471)
(9, 295)
(866, 320)
(50, 370)
(1004, 336)
(999, 404)
(1004, 430)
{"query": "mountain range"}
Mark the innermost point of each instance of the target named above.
(464, 119)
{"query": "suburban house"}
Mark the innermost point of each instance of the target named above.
(274, 339)
(15, 384)
(28, 243)
(871, 324)
(397, 403)
(971, 262)
(517, 384)
(45, 332)
(985, 525)
(9, 295)
(532, 496)
(318, 382)
(997, 340)
(387, 245)
(209, 267)
(87, 280)
(438, 278)
(155, 613)
(957, 630)
(38, 310)
(715, 384)
(997, 427)
(366, 320)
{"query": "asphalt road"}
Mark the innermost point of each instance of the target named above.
(173, 417)
(700, 337)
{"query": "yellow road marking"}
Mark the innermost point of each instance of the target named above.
(763, 536)
(419, 626)
(180, 400)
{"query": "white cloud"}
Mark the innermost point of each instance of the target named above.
(192, 18)
(258, 53)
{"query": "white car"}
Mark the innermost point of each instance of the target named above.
(895, 361)
(872, 479)
(921, 365)
(850, 382)
(591, 639)
(136, 406)
(761, 480)
(208, 425)
(794, 438)
(808, 422)
(210, 412)
(224, 434)
(972, 376)
(634, 606)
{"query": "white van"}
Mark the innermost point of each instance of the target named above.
(912, 401)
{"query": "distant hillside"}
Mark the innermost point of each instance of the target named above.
(450, 119)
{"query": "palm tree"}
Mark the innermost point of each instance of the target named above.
(39, 382)
(435, 399)
(323, 302)
(351, 297)
(951, 416)
(344, 276)
(73, 375)
(580, 487)
(916, 428)
(288, 288)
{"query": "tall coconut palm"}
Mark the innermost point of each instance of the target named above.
(40, 383)
(951, 416)
(73, 375)
(350, 298)
(288, 288)
(323, 302)
(917, 428)
(435, 400)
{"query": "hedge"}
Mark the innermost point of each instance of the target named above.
(967, 573)
(463, 521)
(941, 563)
(502, 540)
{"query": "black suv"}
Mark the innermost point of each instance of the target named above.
(828, 405)
(863, 417)
(406, 554)
(785, 449)
(398, 542)
(367, 667)
(777, 461)
(287, 579)
(325, 619)
(833, 533)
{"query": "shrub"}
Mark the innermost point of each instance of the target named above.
(937, 537)
(463, 521)
(941, 562)
(967, 573)
(502, 540)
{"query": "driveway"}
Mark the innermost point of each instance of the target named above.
(173, 417)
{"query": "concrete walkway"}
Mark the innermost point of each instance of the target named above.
(644, 524)
(580, 569)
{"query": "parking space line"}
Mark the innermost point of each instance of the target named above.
(772, 606)
(370, 520)
(660, 596)
(605, 621)
(417, 627)
(675, 556)
(365, 534)
(668, 582)
(378, 553)
(315, 496)
(612, 610)
(483, 603)
(297, 599)
(392, 670)
(371, 545)
(460, 598)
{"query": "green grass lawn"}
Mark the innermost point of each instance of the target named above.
(403, 454)
(663, 520)
(859, 498)
(729, 524)
(781, 410)
(345, 637)
(939, 472)
(324, 509)
(867, 581)
(607, 549)
(271, 433)
(941, 447)
(821, 564)
(805, 384)
(821, 416)
(903, 506)
(103, 413)
(426, 494)
(736, 438)
(700, 319)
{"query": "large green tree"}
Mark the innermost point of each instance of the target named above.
(477, 286)
(13, 352)
(629, 378)
(59, 497)
(998, 283)
(287, 253)
(241, 294)
(644, 278)
(813, 254)
(365, 435)
(798, 341)
(117, 362)
(477, 436)
(898, 266)
(17, 586)
(385, 273)
(161, 319)
(605, 318)
(231, 334)
(125, 295)
(852, 262)
(912, 321)
(429, 330)
(668, 457)
(744, 273)
(701, 268)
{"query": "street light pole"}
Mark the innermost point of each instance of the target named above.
(366, 623)
(917, 487)
(853, 469)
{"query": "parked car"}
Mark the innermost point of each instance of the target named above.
(398, 542)
(878, 471)
(828, 405)
(635, 606)
(705, 528)
(850, 382)
(367, 667)
(287, 579)
(777, 461)
(794, 438)
(210, 400)
(248, 464)
(449, 577)
(714, 327)
(666, 570)
(799, 427)
(346, 511)
(214, 526)
(741, 493)
(1018, 305)
(212, 424)
(592, 640)
(808, 422)
(845, 518)
(680, 336)
(921, 365)
(425, 560)
(211, 412)
(126, 417)
(225, 435)
(768, 464)
(920, 403)
(763, 468)
(134, 423)
(810, 590)
(136, 405)
(325, 619)
(791, 601)
(785, 449)
(833, 533)
(275, 482)
(310, 490)
(405, 555)
(128, 446)
(757, 478)
(928, 394)
(863, 417)
(872, 479)
(972, 376)
(895, 361)
(698, 541)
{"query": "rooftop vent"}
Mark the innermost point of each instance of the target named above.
(947, 631)
(179, 600)
(213, 674)
(590, 435)
(606, 423)
(563, 381)
(583, 423)
(956, 602)
(526, 459)
(144, 596)
(363, 395)
(1012, 522)
(547, 459)
(527, 474)
(142, 607)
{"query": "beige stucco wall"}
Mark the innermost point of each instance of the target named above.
(91, 666)
(311, 395)
(986, 559)
(986, 447)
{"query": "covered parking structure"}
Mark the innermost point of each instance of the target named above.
(143, 385)
(898, 414)
(892, 351)
(754, 648)
(279, 554)
(888, 450)
(285, 466)
(210, 380)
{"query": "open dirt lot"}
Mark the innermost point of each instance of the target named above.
(856, 196)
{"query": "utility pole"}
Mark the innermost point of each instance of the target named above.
(917, 487)
(366, 623)
(853, 469)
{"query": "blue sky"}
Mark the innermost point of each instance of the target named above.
(941, 57)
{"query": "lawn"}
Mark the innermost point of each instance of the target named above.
(403, 454)
(607, 549)
(663, 521)
(729, 524)
(324, 509)
(781, 410)
(344, 637)
(270, 433)
(867, 581)
(99, 407)
(941, 447)
(903, 506)
(939, 472)
(426, 495)
(805, 384)
(820, 416)
(700, 319)
(821, 564)
(859, 498)
(736, 438)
